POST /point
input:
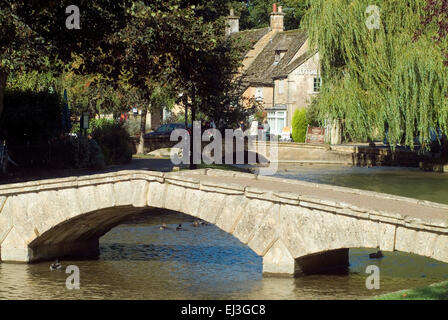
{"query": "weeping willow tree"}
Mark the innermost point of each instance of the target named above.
(383, 79)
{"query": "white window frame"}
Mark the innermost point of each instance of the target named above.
(273, 117)
(259, 94)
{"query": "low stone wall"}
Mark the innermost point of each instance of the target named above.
(323, 154)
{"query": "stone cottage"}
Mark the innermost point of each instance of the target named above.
(280, 70)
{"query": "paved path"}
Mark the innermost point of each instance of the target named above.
(367, 200)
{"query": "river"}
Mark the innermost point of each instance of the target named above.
(140, 261)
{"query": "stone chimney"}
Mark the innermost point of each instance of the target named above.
(277, 18)
(232, 23)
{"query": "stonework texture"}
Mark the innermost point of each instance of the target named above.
(295, 226)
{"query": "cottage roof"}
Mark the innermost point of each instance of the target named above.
(295, 64)
(251, 36)
(265, 67)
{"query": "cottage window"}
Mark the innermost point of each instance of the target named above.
(259, 94)
(279, 54)
(281, 86)
(317, 84)
(277, 121)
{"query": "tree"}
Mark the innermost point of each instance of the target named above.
(146, 49)
(221, 88)
(256, 13)
(134, 47)
(436, 18)
(34, 32)
(206, 72)
(379, 79)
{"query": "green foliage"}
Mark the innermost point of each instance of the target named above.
(34, 81)
(256, 13)
(85, 153)
(437, 291)
(113, 139)
(132, 126)
(312, 114)
(216, 92)
(31, 123)
(299, 125)
(379, 79)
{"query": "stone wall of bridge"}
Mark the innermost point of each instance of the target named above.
(295, 226)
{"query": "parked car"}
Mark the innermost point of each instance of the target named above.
(165, 130)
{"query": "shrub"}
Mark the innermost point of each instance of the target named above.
(312, 114)
(113, 140)
(299, 125)
(132, 126)
(75, 152)
(29, 121)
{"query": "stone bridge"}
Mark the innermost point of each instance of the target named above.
(295, 226)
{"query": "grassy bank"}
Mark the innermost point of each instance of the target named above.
(437, 291)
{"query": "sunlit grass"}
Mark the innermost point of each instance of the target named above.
(434, 292)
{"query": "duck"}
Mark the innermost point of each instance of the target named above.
(203, 223)
(179, 227)
(163, 227)
(377, 255)
(56, 265)
(196, 224)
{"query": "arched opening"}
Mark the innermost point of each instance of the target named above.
(81, 238)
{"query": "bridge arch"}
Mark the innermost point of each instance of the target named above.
(293, 232)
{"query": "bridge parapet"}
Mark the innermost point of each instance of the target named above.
(295, 226)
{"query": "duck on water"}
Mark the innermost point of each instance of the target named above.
(56, 265)
(376, 255)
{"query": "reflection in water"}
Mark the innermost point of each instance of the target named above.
(140, 261)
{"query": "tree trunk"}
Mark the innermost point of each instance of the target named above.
(444, 149)
(141, 145)
(3, 78)
(193, 166)
(186, 114)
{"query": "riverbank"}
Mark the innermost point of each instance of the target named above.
(357, 154)
(438, 291)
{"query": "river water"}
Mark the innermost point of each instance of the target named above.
(140, 261)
